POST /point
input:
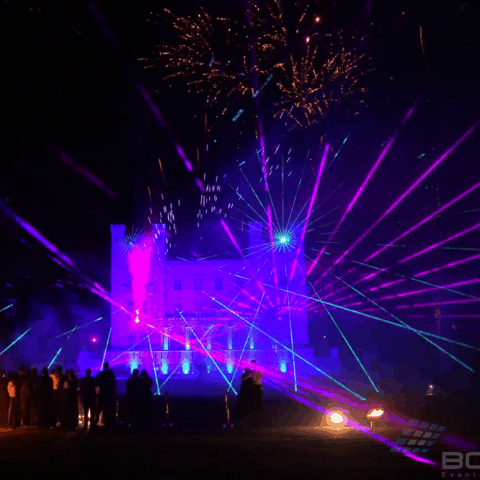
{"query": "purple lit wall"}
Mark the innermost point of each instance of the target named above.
(144, 281)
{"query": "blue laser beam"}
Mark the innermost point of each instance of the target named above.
(154, 367)
(290, 350)
(246, 341)
(180, 363)
(106, 347)
(8, 306)
(351, 349)
(291, 340)
(208, 353)
(406, 325)
(55, 357)
(16, 340)
(373, 317)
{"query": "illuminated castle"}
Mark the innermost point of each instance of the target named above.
(200, 313)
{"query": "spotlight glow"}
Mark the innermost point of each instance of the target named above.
(336, 417)
(375, 413)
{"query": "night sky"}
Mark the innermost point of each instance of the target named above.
(68, 87)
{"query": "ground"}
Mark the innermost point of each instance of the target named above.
(295, 452)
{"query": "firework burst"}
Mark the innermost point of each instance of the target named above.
(298, 67)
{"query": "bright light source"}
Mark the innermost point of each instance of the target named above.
(317, 19)
(307, 39)
(375, 413)
(336, 417)
(283, 239)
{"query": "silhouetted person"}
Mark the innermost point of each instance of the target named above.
(257, 395)
(58, 380)
(45, 400)
(88, 398)
(13, 404)
(134, 398)
(24, 393)
(146, 400)
(70, 400)
(33, 396)
(107, 384)
(3, 399)
(245, 395)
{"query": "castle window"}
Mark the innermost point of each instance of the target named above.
(218, 284)
(197, 284)
(177, 285)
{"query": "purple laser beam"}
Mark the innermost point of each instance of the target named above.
(425, 220)
(409, 190)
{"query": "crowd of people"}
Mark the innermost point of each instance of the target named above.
(55, 399)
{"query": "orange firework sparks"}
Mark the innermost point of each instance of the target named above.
(212, 57)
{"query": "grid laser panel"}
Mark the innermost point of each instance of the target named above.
(421, 439)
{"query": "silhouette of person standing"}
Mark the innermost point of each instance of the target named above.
(3, 399)
(23, 387)
(87, 397)
(33, 396)
(245, 395)
(107, 383)
(134, 398)
(257, 395)
(45, 399)
(70, 390)
(13, 404)
(146, 400)
(58, 380)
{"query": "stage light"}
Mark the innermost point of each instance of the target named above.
(375, 413)
(186, 367)
(133, 365)
(164, 368)
(94, 339)
(336, 417)
(283, 367)
(283, 240)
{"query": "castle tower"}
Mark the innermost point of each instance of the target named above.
(125, 329)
